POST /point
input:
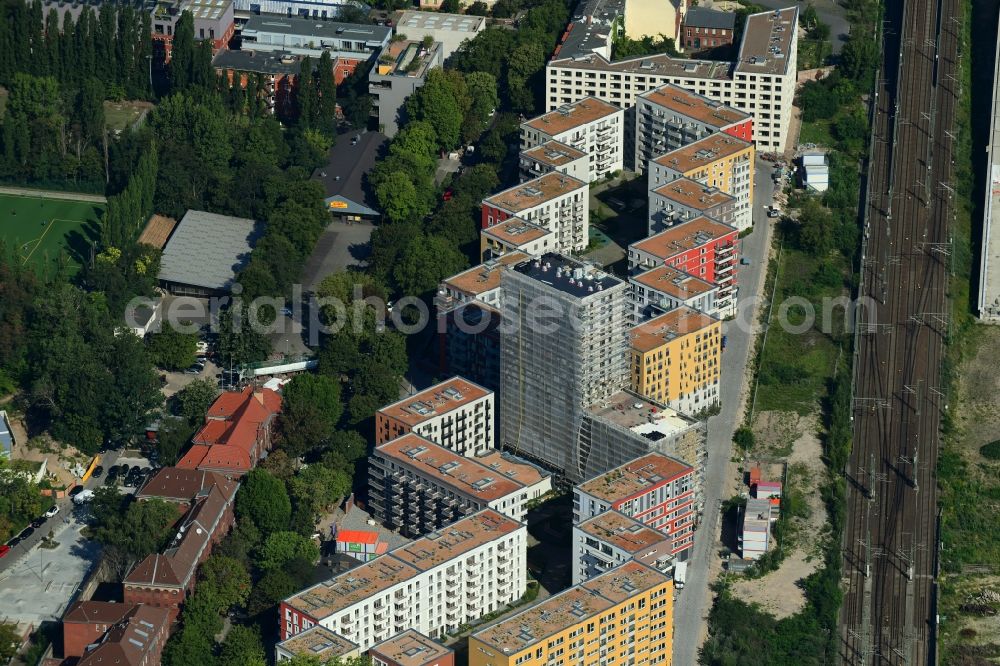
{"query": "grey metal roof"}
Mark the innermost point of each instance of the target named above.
(700, 17)
(207, 250)
(312, 27)
(343, 176)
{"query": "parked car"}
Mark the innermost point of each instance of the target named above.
(136, 470)
(76, 491)
(52, 511)
(4, 550)
(14, 541)
(195, 369)
(744, 261)
(28, 531)
(98, 472)
(38, 522)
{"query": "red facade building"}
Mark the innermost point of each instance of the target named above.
(101, 633)
(236, 434)
(165, 579)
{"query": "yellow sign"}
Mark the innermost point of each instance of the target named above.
(338, 204)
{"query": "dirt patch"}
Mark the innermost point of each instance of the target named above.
(978, 388)
(790, 441)
(62, 460)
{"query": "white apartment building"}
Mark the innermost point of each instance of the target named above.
(318, 642)
(671, 117)
(611, 539)
(654, 489)
(555, 201)
(589, 125)
(684, 199)
(761, 82)
(554, 156)
(516, 235)
(433, 585)
(456, 414)
(449, 29)
(718, 161)
(666, 288)
(416, 486)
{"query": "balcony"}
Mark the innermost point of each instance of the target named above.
(725, 250)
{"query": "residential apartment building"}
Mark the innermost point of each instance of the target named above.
(554, 201)
(516, 235)
(655, 489)
(755, 528)
(214, 20)
(317, 642)
(671, 117)
(676, 359)
(456, 414)
(411, 648)
(718, 161)
(164, 580)
(659, 290)
(626, 425)
(553, 368)
(760, 82)
(685, 199)
(314, 9)
(589, 125)
(450, 30)
(236, 434)
(417, 487)
(400, 69)
(433, 585)
(700, 247)
(307, 36)
(435, 5)
(467, 307)
(654, 18)
(554, 156)
(611, 539)
(279, 72)
(624, 616)
(707, 29)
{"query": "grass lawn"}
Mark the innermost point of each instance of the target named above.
(39, 230)
(817, 132)
(796, 366)
(120, 115)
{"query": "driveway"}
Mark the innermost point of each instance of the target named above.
(829, 12)
(693, 602)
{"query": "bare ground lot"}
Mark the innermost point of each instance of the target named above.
(790, 438)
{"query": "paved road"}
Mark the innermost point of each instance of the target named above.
(58, 521)
(52, 194)
(693, 601)
(340, 246)
(830, 12)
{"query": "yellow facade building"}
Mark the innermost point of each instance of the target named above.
(622, 617)
(676, 359)
(719, 160)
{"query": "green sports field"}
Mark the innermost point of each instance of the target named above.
(37, 231)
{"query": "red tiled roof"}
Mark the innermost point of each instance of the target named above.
(235, 418)
(181, 484)
(357, 536)
(216, 457)
(130, 642)
(96, 612)
(156, 569)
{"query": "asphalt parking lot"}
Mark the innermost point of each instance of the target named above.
(39, 583)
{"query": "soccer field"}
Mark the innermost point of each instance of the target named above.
(38, 230)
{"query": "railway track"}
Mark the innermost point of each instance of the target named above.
(890, 549)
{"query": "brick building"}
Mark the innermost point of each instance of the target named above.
(165, 579)
(236, 434)
(707, 29)
(137, 639)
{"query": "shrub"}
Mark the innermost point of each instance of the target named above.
(991, 450)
